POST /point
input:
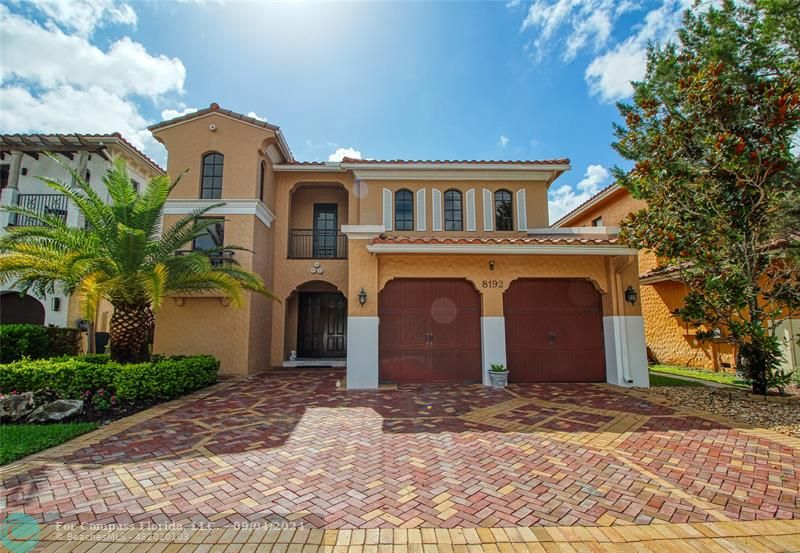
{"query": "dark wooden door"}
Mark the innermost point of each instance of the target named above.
(322, 324)
(325, 221)
(554, 331)
(429, 331)
(20, 309)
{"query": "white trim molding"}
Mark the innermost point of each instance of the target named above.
(488, 220)
(626, 353)
(493, 344)
(230, 207)
(566, 231)
(362, 353)
(363, 232)
(522, 211)
(482, 249)
(436, 209)
(422, 223)
(471, 225)
(387, 209)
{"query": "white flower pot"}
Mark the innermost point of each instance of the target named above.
(498, 379)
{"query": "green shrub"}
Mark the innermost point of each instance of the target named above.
(72, 377)
(23, 340)
(64, 341)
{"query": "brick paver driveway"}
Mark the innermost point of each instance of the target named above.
(294, 447)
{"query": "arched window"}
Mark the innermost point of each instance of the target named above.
(453, 213)
(211, 183)
(404, 210)
(503, 214)
(261, 176)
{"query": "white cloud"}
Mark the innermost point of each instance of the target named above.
(341, 153)
(565, 198)
(49, 57)
(504, 141)
(609, 75)
(182, 110)
(254, 115)
(573, 26)
(84, 16)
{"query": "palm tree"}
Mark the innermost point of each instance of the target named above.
(121, 255)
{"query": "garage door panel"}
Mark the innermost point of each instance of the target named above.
(429, 331)
(554, 331)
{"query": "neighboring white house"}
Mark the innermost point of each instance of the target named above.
(22, 161)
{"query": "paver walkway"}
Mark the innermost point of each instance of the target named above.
(292, 449)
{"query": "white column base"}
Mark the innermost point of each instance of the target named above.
(626, 352)
(362, 353)
(493, 343)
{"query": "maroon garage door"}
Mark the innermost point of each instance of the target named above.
(554, 331)
(429, 331)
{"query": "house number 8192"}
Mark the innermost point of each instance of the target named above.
(492, 283)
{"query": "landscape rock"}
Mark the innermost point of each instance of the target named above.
(55, 411)
(14, 407)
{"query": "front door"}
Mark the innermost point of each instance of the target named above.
(322, 325)
(325, 230)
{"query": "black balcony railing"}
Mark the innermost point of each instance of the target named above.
(310, 244)
(46, 204)
(216, 259)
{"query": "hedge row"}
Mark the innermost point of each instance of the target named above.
(69, 377)
(37, 342)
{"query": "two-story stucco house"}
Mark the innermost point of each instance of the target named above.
(22, 165)
(402, 271)
(670, 340)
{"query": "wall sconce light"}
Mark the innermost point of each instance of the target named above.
(631, 295)
(491, 265)
(362, 297)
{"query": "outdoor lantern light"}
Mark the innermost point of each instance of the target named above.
(631, 295)
(362, 297)
(491, 265)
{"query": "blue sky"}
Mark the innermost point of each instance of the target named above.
(412, 80)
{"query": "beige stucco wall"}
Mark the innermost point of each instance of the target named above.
(614, 209)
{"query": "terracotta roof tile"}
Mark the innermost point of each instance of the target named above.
(545, 239)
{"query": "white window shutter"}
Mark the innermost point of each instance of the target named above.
(522, 211)
(388, 219)
(471, 226)
(436, 209)
(488, 220)
(421, 214)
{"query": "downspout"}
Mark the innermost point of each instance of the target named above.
(618, 267)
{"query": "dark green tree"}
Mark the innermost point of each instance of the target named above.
(710, 131)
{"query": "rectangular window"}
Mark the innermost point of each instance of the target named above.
(597, 222)
(5, 171)
(214, 237)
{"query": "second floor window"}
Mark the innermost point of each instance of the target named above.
(211, 184)
(453, 213)
(213, 238)
(261, 176)
(503, 215)
(597, 222)
(404, 210)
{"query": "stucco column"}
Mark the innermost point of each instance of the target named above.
(362, 320)
(623, 328)
(11, 191)
(493, 330)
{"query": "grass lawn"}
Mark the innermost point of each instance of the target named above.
(661, 380)
(19, 440)
(700, 374)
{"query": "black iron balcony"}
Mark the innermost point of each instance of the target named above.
(45, 204)
(320, 244)
(216, 259)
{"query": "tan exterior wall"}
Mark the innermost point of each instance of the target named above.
(371, 202)
(613, 209)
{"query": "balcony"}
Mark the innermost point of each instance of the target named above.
(45, 204)
(217, 258)
(308, 244)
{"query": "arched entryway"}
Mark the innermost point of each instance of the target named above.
(316, 322)
(429, 331)
(554, 331)
(15, 309)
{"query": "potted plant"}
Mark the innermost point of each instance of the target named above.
(498, 375)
